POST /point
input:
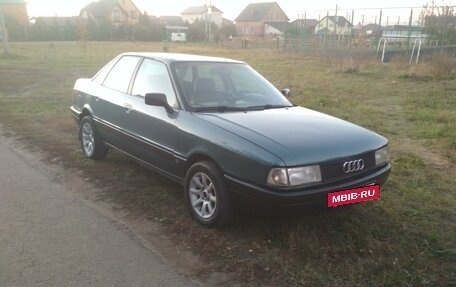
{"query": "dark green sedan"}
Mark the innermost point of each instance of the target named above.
(226, 134)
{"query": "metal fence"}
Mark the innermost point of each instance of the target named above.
(398, 28)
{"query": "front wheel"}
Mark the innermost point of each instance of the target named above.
(91, 143)
(207, 195)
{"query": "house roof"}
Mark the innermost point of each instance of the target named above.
(57, 21)
(171, 20)
(341, 20)
(226, 21)
(255, 12)
(309, 23)
(372, 26)
(403, 28)
(199, 10)
(101, 8)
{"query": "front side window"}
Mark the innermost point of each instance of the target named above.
(153, 77)
(120, 76)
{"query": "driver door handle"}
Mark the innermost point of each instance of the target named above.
(128, 108)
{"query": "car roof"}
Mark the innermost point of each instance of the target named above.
(176, 57)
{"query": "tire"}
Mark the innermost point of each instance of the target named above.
(207, 196)
(91, 143)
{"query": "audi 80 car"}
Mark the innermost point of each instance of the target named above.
(226, 134)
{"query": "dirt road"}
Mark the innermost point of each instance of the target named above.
(49, 236)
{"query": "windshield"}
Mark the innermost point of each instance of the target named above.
(225, 86)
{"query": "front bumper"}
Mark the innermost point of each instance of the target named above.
(307, 196)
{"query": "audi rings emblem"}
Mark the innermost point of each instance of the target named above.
(352, 166)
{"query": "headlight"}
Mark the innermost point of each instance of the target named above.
(283, 177)
(278, 177)
(382, 155)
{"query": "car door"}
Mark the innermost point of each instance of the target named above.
(152, 126)
(109, 103)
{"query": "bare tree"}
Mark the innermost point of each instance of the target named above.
(438, 20)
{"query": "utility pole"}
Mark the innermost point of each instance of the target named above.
(4, 31)
(409, 29)
(209, 12)
(351, 27)
(335, 24)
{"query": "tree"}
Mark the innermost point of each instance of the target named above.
(197, 31)
(439, 22)
(84, 34)
(228, 30)
(4, 31)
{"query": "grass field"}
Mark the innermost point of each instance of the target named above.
(407, 238)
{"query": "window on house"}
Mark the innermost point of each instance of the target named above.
(116, 15)
(134, 14)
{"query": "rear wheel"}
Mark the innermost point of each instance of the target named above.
(207, 195)
(91, 143)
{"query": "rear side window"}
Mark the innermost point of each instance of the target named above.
(120, 76)
(101, 75)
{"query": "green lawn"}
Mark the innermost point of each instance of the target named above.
(407, 238)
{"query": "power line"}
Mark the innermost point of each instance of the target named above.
(370, 8)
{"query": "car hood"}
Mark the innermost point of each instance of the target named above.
(298, 135)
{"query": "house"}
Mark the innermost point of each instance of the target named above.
(400, 34)
(116, 12)
(203, 13)
(176, 33)
(171, 20)
(304, 25)
(57, 21)
(15, 10)
(275, 28)
(16, 17)
(334, 26)
(54, 28)
(371, 30)
(252, 20)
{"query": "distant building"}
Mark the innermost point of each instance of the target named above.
(252, 20)
(403, 33)
(116, 12)
(304, 25)
(15, 12)
(369, 30)
(54, 28)
(57, 21)
(275, 28)
(171, 20)
(202, 13)
(176, 33)
(334, 26)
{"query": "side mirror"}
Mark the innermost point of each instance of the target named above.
(155, 99)
(286, 92)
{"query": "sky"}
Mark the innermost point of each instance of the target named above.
(231, 8)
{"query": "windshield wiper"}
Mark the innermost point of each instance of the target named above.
(267, 107)
(220, 109)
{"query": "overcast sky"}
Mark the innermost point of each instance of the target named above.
(232, 8)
